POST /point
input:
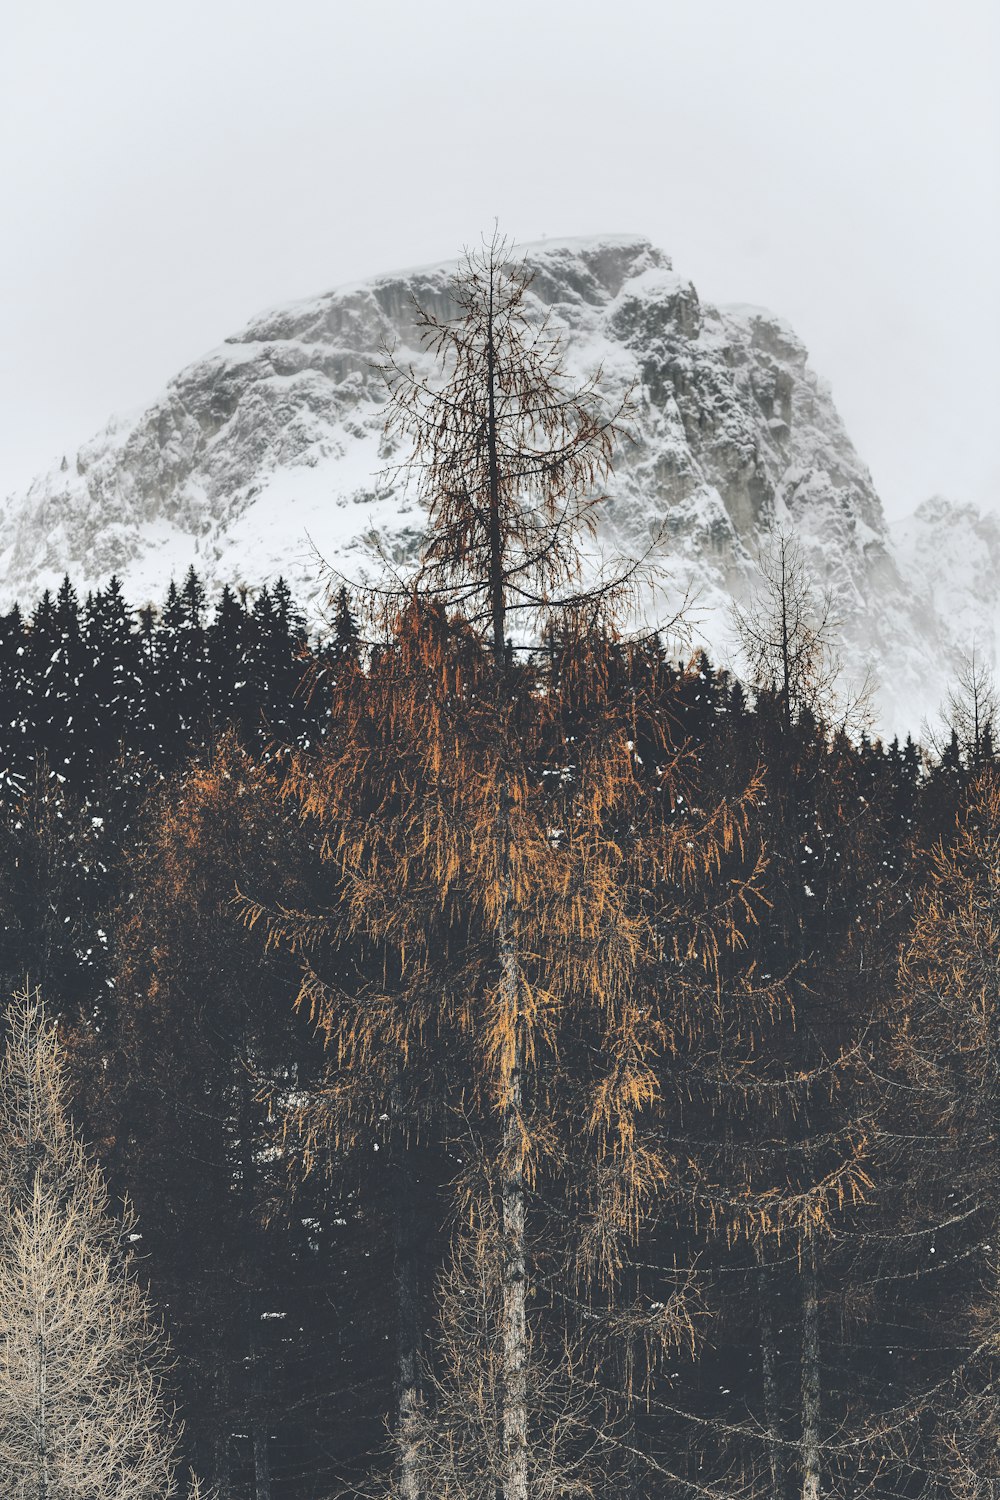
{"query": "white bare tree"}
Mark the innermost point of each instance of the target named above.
(971, 712)
(83, 1411)
(787, 634)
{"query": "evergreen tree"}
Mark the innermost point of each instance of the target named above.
(15, 742)
(199, 1037)
(345, 643)
(56, 660)
(58, 871)
(232, 693)
(280, 666)
(110, 695)
(831, 903)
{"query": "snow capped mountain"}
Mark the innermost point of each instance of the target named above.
(269, 450)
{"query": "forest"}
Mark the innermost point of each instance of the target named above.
(469, 1052)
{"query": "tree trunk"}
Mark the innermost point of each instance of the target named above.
(410, 1396)
(259, 1415)
(261, 1460)
(222, 1481)
(810, 1376)
(515, 1319)
(223, 1487)
(42, 1432)
(498, 602)
(409, 1412)
(41, 1352)
(515, 1268)
(769, 1379)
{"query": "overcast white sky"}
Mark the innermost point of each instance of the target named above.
(167, 171)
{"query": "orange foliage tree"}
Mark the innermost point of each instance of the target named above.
(948, 1047)
(505, 885)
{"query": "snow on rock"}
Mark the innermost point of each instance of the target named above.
(950, 556)
(268, 453)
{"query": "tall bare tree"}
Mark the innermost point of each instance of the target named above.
(972, 712)
(83, 1409)
(787, 633)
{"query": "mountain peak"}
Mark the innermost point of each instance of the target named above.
(268, 449)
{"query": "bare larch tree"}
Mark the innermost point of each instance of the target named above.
(787, 633)
(83, 1410)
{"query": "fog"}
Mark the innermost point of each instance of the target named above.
(167, 172)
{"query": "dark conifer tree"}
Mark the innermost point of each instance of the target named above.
(278, 665)
(59, 868)
(15, 744)
(203, 1052)
(176, 706)
(111, 689)
(56, 664)
(232, 691)
(346, 635)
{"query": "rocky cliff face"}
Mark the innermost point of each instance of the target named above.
(265, 455)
